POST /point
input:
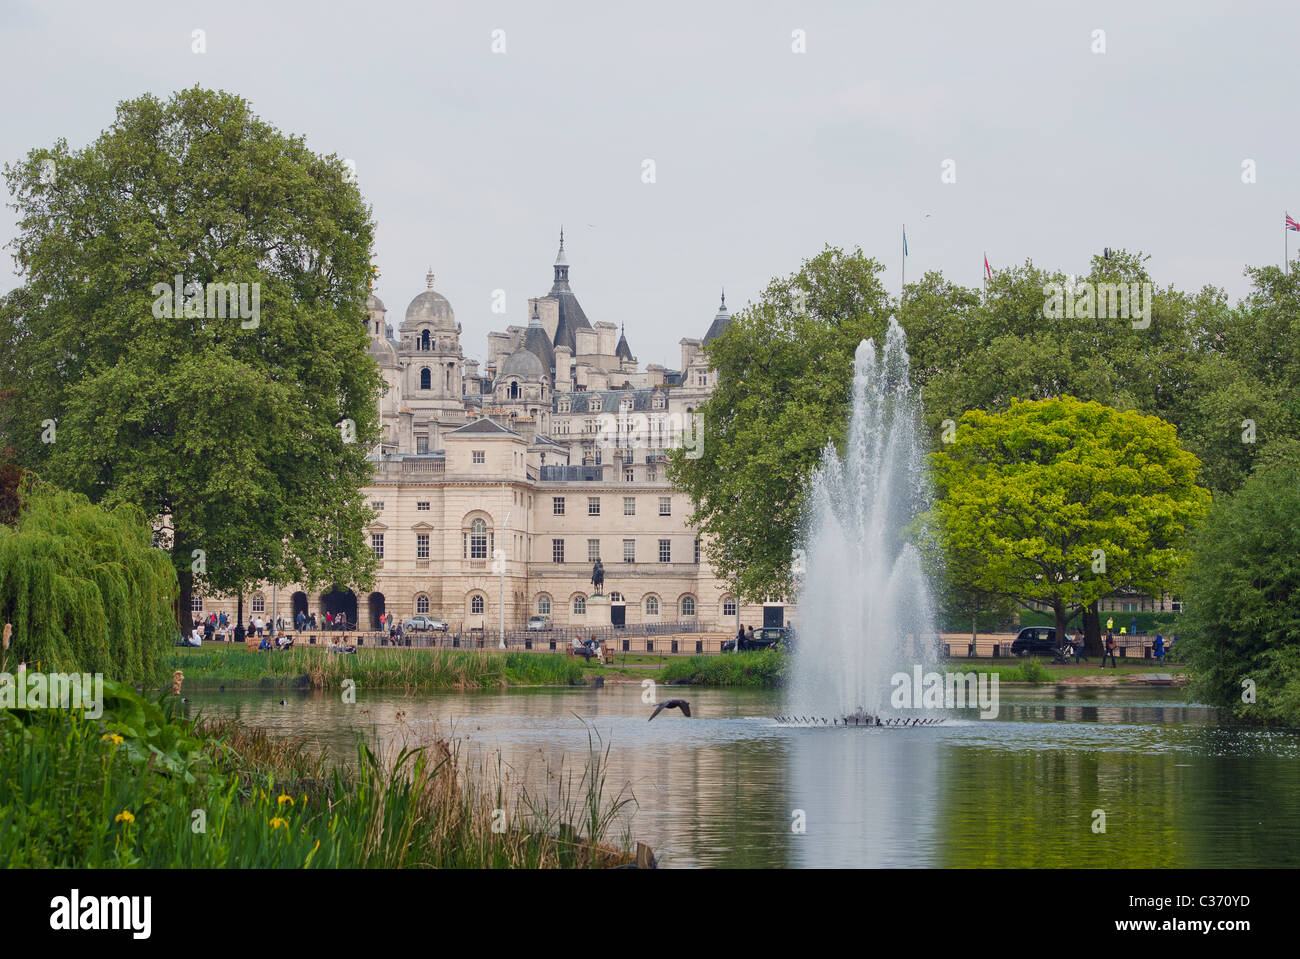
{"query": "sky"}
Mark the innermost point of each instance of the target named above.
(479, 128)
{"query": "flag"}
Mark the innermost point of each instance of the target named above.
(904, 241)
(1291, 224)
(988, 271)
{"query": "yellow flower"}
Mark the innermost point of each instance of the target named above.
(124, 816)
(113, 738)
(277, 822)
(282, 799)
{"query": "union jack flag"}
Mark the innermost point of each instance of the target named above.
(1291, 223)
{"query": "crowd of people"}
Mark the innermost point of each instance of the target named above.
(273, 634)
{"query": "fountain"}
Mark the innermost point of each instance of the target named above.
(864, 606)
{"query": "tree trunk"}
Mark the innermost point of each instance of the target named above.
(1092, 630)
(184, 612)
(1058, 610)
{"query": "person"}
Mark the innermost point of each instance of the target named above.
(311, 621)
(284, 641)
(264, 644)
(300, 620)
(740, 637)
(225, 620)
(196, 638)
(210, 630)
(1110, 623)
(1158, 649)
(1078, 645)
(1133, 626)
(1109, 650)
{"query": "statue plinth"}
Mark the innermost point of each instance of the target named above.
(598, 610)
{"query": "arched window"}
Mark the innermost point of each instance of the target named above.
(450, 368)
(579, 605)
(478, 541)
(476, 604)
(426, 379)
(514, 389)
(424, 340)
(652, 605)
(259, 603)
(422, 604)
(543, 605)
(688, 606)
(196, 604)
(729, 606)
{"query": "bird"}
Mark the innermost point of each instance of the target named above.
(681, 704)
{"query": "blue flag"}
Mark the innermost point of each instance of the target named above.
(904, 241)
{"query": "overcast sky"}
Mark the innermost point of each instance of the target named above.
(473, 159)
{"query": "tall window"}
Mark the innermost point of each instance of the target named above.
(629, 505)
(424, 339)
(544, 605)
(665, 506)
(259, 603)
(593, 550)
(593, 505)
(478, 540)
(421, 545)
(422, 604)
(652, 605)
(729, 606)
(697, 551)
(629, 476)
(476, 603)
(377, 545)
(579, 605)
(651, 474)
(665, 551)
(196, 604)
(629, 551)
(557, 551)
(557, 505)
(688, 606)
(426, 379)
(421, 442)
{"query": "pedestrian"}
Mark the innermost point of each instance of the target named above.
(329, 620)
(1078, 645)
(313, 622)
(1158, 649)
(300, 620)
(1109, 650)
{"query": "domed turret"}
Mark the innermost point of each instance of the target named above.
(720, 322)
(429, 308)
(524, 364)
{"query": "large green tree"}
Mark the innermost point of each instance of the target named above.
(245, 435)
(1061, 502)
(1241, 633)
(784, 370)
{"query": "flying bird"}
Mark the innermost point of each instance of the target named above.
(681, 704)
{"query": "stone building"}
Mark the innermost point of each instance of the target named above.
(498, 488)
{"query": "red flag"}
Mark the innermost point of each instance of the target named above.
(988, 271)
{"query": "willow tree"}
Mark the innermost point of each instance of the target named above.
(84, 587)
(189, 337)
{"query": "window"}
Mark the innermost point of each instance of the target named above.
(259, 603)
(579, 605)
(422, 506)
(660, 401)
(557, 551)
(629, 476)
(697, 551)
(1129, 607)
(377, 545)
(629, 505)
(421, 442)
(665, 551)
(543, 605)
(196, 604)
(729, 606)
(476, 604)
(422, 604)
(665, 506)
(424, 339)
(377, 506)
(421, 545)
(688, 606)
(480, 456)
(593, 505)
(651, 474)
(1176, 604)
(652, 605)
(426, 379)
(563, 405)
(629, 551)
(557, 505)
(478, 541)
(593, 550)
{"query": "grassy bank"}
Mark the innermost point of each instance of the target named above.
(760, 669)
(413, 670)
(142, 788)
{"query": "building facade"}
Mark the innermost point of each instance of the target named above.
(497, 489)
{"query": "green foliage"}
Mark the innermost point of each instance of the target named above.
(1148, 621)
(760, 669)
(1030, 671)
(784, 370)
(1242, 588)
(1028, 497)
(223, 430)
(84, 588)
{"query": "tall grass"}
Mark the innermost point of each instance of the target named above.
(141, 787)
(763, 669)
(411, 670)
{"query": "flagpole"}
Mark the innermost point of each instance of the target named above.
(1286, 243)
(986, 274)
(904, 283)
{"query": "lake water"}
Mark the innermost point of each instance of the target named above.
(730, 787)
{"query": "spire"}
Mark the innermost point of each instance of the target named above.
(559, 257)
(428, 278)
(623, 351)
(720, 321)
(723, 307)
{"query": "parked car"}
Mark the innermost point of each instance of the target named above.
(422, 624)
(766, 638)
(542, 623)
(1035, 641)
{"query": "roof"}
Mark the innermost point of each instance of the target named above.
(484, 426)
(375, 303)
(539, 344)
(523, 362)
(720, 322)
(623, 351)
(429, 307)
(607, 401)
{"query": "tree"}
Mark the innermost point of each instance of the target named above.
(784, 369)
(190, 337)
(1062, 502)
(84, 588)
(1240, 633)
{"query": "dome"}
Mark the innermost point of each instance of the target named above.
(384, 353)
(523, 363)
(429, 307)
(374, 303)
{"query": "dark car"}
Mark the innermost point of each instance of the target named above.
(1035, 641)
(766, 638)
